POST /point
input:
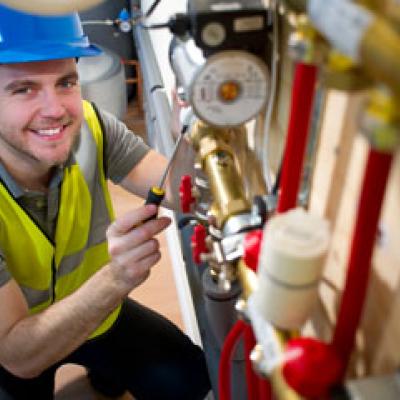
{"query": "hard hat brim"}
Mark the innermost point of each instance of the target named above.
(34, 54)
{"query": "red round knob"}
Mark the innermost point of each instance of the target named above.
(252, 243)
(185, 193)
(311, 367)
(198, 242)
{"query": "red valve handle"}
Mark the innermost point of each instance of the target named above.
(252, 244)
(185, 193)
(312, 367)
(198, 242)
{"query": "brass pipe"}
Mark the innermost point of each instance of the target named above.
(225, 184)
(247, 278)
(299, 6)
(280, 388)
(249, 283)
(218, 161)
(380, 53)
(391, 10)
(374, 5)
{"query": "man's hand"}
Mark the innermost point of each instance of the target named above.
(132, 246)
(67, 323)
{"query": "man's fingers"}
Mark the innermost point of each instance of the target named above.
(118, 244)
(132, 219)
(137, 253)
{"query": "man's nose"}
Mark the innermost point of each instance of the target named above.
(51, 104)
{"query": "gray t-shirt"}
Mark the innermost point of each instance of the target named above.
(123, 150)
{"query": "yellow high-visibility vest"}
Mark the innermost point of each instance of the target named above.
(46, 270)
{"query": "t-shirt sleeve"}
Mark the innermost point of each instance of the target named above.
(5, 276)
(123, 149)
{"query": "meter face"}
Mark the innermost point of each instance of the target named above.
(230, 89)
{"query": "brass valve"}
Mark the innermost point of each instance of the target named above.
(380, 120)
(217, 159)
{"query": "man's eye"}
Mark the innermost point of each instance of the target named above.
(68, 84)
(23, 90)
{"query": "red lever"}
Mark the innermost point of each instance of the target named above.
(185, 193)
(252, 243)
(198, 242)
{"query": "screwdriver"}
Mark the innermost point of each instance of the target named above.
(156, 194)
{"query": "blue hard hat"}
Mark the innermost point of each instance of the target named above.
(27, 37)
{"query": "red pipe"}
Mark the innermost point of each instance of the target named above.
(370, 202)
(264, 389)
(258, 389)
(224, 380)
(300, 114)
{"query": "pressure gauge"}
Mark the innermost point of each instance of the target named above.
(230, 88)
(125, 26)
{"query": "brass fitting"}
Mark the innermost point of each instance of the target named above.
(247, 278)
(379, 46)
(380, 53)
(217, 159)
(304, 42)
(296, 5)
(201, 130)
(373, 5)
(281, 390)
(380, 120)
(341, 73)
(391, 10)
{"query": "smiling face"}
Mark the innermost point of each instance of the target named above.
(40, 112)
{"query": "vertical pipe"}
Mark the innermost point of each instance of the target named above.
(264, 389)
(251, 377)
(370, 202)
(296, 141)
(224, 382)
(257, 388)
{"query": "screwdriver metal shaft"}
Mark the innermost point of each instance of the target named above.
(156, 193)
(171, 160)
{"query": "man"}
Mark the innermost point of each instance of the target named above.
(66, 267)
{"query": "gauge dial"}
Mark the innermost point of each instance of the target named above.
(213, 34)
(230, 89)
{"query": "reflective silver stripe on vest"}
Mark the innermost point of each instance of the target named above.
(86, 158)
(69, 263)
(86, 155)
(35, 297)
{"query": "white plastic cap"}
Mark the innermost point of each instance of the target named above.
(290, 266)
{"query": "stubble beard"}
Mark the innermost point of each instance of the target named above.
(22, 153)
